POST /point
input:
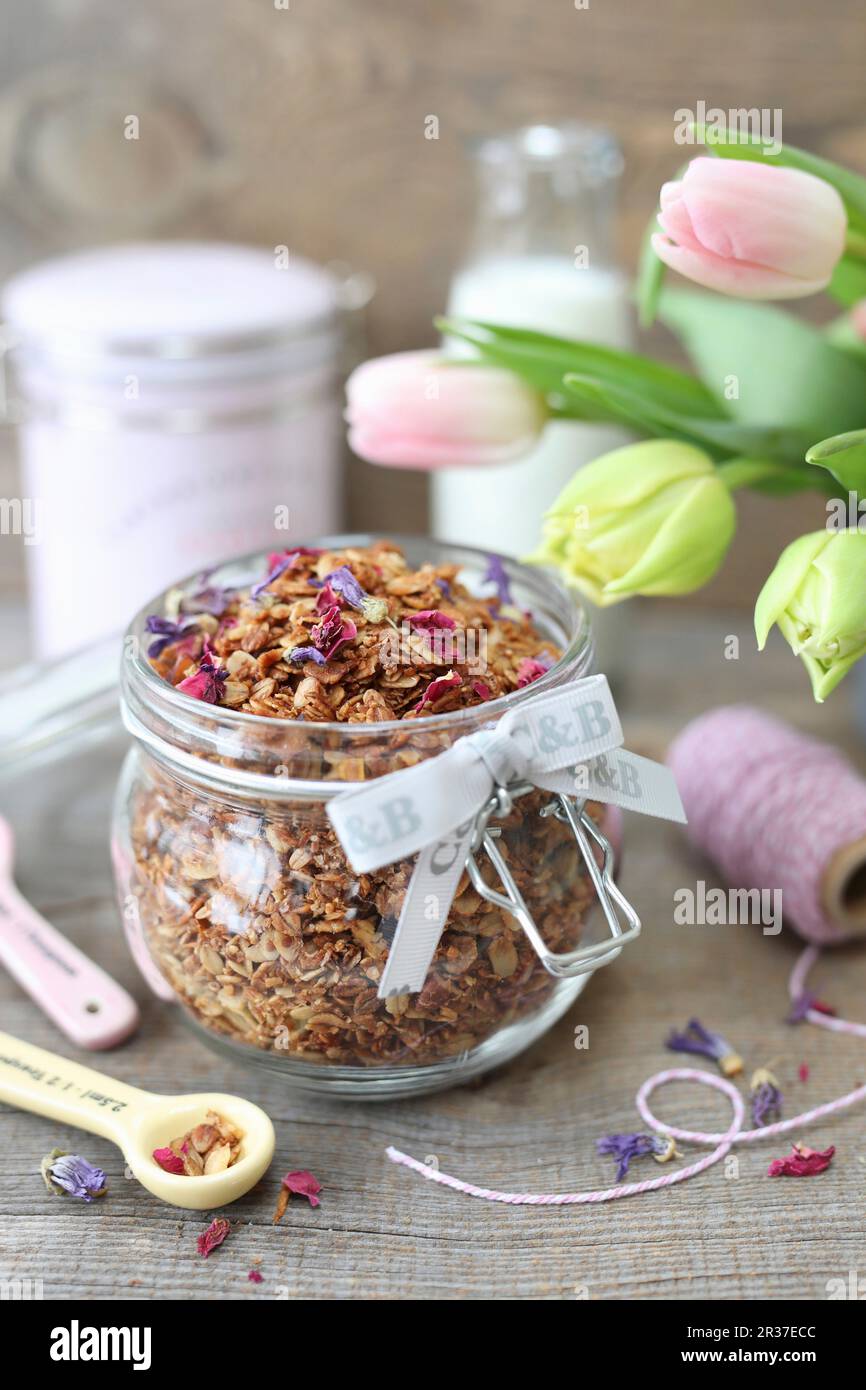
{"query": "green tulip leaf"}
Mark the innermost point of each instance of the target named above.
(543, 361)
(606, 401)
(773, 478)
(650, 276)
(733, 144)
(843, 455)
(767, 365)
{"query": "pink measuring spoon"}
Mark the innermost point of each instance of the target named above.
(85, 1003)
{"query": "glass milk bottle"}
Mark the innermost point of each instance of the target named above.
(542, 258)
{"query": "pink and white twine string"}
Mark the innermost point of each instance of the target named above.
(722, 1143)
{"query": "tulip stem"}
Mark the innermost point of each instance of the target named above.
(855, 244)
(749, 472)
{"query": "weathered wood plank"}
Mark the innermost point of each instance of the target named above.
(381, 1232)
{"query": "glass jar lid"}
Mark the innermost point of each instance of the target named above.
(133, 307)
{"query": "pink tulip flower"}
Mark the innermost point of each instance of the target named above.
(756, 231)
(417, 410)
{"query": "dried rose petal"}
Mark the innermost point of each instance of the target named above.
(531, 668)
(215, 1234)
(169, 1160)
(327, 598)
(254, 1277)
(329, 630)
(431, 618)
(208, 682)
(803, 1071)
(439, 687)
(801, 1162)
(303, 1184)
(481, 689)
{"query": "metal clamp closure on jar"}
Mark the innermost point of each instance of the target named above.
(616, 907)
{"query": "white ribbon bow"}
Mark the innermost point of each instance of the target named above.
(567, 741)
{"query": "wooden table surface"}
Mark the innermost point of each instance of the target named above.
(383, 1232)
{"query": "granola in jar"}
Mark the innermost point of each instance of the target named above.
(326, 667)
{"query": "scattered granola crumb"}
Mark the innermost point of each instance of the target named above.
(215, 1234)
(282, 1203)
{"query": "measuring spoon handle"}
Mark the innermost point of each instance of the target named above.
(39, 1081)
(91, 1008)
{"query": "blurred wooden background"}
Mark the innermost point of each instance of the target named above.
(301, 122)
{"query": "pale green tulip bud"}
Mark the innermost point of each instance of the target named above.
(652, 518)
(816, 596)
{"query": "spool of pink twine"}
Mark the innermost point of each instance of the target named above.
(776, 810)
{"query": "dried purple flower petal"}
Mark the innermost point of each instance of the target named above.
(343, 582)
(307, 654)
(497, 574)
(444, 586)
(696, 1039)
(70, 1174)
(215, 1234)
(803, 1003)
(167, 631)
(278, 563)
(625, 1147)
(766, 1098)
(212, 599)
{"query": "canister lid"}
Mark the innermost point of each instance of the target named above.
(175, 299)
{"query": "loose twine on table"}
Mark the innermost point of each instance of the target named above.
(723, 1143)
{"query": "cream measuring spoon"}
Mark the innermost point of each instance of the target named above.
(137, 1121)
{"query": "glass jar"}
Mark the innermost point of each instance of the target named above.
(240, 905)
